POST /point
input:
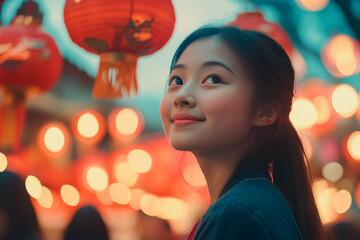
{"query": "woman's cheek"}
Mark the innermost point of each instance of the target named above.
(217, 104)
(164, 109)
(228, 110)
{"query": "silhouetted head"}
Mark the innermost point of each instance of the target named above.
(88, 224)
(17, 214)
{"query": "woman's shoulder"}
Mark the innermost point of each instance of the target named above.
(253, 193)
(260, 197)
(252, 209)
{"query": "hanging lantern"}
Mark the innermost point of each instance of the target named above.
(120, 32)
(341, 56)
(256, 21)
(30, 63)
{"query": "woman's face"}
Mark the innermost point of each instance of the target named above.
(209, 83)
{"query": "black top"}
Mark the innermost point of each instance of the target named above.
(253, 209)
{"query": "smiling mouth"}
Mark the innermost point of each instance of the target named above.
(185, 122)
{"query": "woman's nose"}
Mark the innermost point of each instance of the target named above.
(182, 100)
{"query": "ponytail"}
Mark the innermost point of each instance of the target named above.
(290, 172)
(292, 176)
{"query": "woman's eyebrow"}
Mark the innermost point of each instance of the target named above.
(215, 63)
(177, 66)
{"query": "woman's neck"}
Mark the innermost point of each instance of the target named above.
(217, 169)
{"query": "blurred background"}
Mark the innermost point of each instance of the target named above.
(76, 139)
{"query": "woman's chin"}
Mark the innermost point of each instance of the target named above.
(184, 146)
(181, 147)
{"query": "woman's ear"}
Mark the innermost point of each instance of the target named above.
(266, 114)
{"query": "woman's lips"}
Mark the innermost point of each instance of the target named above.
(185, 122)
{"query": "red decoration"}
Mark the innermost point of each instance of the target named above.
(120, 32)
(256, 21)
(30, 63)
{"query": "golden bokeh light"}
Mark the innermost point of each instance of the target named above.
(139, 160)
(173, 208)
(341, 56)
(54, 139)
(136, 195)
(325, 205)
(312, 5)
(97, 178)
(120, 193)
(70, 195)
(345, 100)
(46, 198)
(342, 53)
(33, 186)
(125, 174)
(3, 162)
(353, 145)
(303, 114)
(340, 43)
(342, 201)
(324, 192)
(126, 121)
(88, 125)
(332, 171)
(150, 205)
(346, 63)
(323, 109)
(193, 175)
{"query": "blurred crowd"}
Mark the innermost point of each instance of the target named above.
(18, 220)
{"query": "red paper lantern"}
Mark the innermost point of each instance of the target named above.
(30, 63)
(120, 32)
(256, 21)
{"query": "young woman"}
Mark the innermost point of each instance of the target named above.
(228, 101)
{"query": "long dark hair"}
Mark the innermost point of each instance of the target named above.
(270, 70)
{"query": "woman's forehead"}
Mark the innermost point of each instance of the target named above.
(207, 49)
(211, 49)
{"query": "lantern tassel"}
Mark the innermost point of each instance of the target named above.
(116, 77)
(12, 119)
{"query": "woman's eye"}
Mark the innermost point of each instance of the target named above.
(212, 79)
(176, 81)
